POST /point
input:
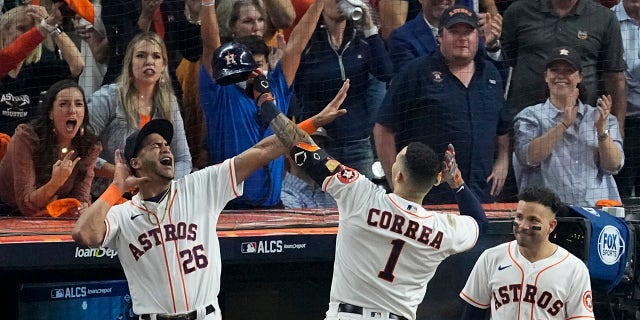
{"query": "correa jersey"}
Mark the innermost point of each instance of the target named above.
(557, 287)
(388, 248)
(174, 266)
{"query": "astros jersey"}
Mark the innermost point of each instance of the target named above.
(174, 266)
(388, 248)
(557, 287)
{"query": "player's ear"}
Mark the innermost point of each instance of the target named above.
(135, 163)
(552, 225)
(439, 178)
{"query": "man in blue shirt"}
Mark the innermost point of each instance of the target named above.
(451, 96)
(417, 37)
(231, 116)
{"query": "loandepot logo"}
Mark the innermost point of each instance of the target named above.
(95, 252)
(610, 245)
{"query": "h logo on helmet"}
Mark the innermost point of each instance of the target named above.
(231, 58)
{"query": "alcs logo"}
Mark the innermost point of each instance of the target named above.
(271, 246)
(69, 292)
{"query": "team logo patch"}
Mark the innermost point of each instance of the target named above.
(610, 245)
(436, 76)
(582, 35)
(230, 58)
(348, 175)
(587, 300)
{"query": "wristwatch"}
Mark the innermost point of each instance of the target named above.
(604, 135)
(496, 46)
(53, 30)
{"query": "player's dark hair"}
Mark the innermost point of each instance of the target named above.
(256, 45)
(542, 196)
(422, 164)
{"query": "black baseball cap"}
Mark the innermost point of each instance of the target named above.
(162, 127)
(566, 54)
(458, 14)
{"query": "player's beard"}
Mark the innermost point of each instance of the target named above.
(159, 170)
(527, 238)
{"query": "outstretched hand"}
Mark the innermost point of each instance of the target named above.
(122, 177)
(450, 170)
(332, 111)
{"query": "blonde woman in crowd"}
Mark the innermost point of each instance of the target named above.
(141, 93)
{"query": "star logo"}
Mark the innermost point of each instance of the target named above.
(564, 52)
(348, 175)
(231, 58)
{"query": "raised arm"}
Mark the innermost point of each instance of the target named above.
(280, 15)
(210, 32)
(393, 14)
(18, 50)
(468, 202)
(287, 133)
(298, 40)
(90, 229)
(69, 50)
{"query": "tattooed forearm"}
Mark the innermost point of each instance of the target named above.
(288, 132)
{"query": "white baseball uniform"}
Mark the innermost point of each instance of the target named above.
(174, 266)
(388, 248)
(557, 287)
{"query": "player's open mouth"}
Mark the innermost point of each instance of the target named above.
(166, 161)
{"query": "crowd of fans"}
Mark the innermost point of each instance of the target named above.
(538, 92)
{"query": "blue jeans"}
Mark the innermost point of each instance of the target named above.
(356, 154)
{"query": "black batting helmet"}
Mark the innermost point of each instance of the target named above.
(232, 63)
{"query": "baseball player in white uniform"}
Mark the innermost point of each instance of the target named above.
(166, 235)
(388, 246)
(530, 277)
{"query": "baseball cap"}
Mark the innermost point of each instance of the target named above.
(458, 14)
(162, 127)
(566, 54)
(321, 137)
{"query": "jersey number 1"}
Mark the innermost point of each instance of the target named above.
(392, 261)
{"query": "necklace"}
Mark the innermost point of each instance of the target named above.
(158, 200)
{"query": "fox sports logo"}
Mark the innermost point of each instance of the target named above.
(610, 245)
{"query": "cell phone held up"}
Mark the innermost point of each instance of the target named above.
(65, 10)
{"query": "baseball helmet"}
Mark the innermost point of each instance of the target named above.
(232, 63)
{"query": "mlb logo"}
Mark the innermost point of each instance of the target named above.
(249, 247)
(57, 293)
(375, 314)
